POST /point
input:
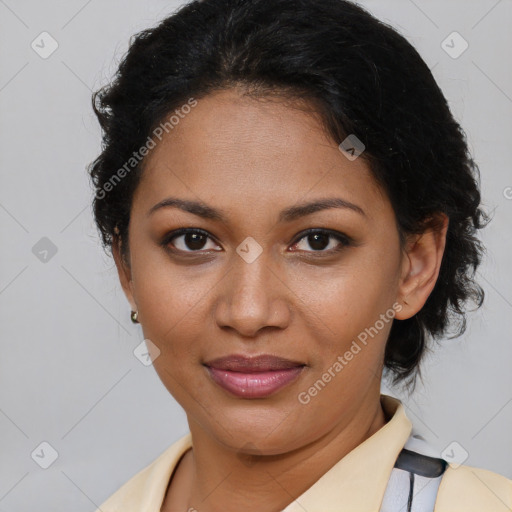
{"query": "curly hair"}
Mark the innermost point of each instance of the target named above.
(361, 76)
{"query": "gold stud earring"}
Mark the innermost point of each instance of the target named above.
(134, 316)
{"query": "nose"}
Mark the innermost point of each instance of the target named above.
(252, 296)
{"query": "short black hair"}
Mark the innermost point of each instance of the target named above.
(362, 77)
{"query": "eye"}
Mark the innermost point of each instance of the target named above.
(187, 240)
(195, 240)
(318, 239)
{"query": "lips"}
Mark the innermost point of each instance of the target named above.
(253, 377)
(261, 363)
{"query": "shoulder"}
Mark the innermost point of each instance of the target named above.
(146, 489)
(132, 491)
(470, 489)
(451, 487)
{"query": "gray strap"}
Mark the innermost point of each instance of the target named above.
(420, 464)
(413, 483)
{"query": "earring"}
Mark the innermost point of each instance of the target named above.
(134, 316)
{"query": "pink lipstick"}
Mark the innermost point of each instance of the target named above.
(253, 377)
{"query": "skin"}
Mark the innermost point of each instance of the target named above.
(252, 159)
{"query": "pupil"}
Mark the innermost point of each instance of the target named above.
(317, 241)
(192, 240)
(313, 240)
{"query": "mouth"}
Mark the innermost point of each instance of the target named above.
(253, 377)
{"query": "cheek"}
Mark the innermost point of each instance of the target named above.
(347, 320)
(356, 294)
(172, 317)
(166, 292)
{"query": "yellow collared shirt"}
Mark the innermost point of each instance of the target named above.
(356, 483)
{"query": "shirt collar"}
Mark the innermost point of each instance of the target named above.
(356, 482)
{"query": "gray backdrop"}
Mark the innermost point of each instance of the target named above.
(69, 378)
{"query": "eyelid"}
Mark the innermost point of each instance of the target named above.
(169, 237)
(342, 238)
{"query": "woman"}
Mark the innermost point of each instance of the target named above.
(292, 210)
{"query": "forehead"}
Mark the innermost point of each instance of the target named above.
(251, 151)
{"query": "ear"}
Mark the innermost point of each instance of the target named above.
(124, 272)
(420, 266)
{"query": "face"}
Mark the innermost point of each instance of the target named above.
(249, 279)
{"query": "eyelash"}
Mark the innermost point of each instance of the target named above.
(344, 240)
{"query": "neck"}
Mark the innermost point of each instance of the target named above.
(216, 478)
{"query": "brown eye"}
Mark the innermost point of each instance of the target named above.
(319, 239)
(188, 240)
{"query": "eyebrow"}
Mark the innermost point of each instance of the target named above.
(287, 215)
